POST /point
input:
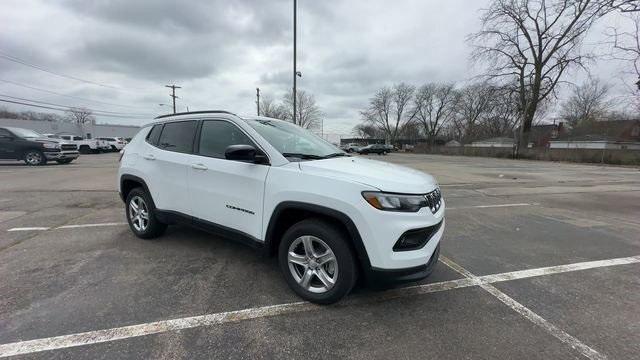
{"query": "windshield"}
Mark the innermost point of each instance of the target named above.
(293, 141)
(25, 133)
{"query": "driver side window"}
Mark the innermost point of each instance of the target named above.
(217, 135)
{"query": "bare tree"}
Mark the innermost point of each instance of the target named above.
(626, 47)
(433, 107)
(80, 116)
(473, 106)
(367, 131)
(308, 114)
(272, 109)
(535, 43)
(587, 103)
(388, 110)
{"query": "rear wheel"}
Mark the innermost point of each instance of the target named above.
(34, 158)
(84, 149)
(317, 262)
(141, 215)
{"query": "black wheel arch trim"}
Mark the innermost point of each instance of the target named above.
(361, 252)
(134, 178)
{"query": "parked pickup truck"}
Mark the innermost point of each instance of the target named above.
(34, 148)
(85, 146)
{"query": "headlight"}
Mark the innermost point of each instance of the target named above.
(395, 202)
(51, 145)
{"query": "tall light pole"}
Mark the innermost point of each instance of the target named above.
(295, 48)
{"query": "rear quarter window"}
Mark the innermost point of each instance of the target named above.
(178, 136)
(154, 134)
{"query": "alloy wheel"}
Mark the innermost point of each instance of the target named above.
(313, 264)
(139, 213)
(33, 158)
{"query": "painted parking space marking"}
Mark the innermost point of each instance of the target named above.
(34, 228)
(527, 313)
(469, 280)
(77, 226)
(91, 225)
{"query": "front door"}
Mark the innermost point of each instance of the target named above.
(225, 192)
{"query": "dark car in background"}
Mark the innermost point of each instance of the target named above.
(379, 149)
(34, 148)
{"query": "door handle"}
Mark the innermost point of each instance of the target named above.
(199, 167)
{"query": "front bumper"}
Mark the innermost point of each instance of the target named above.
(60, 155)
(381, 278)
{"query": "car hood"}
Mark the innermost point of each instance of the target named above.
(47, 140)
(381, 175)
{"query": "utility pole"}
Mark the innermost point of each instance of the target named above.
(295, 44)
(258, 100)
(173, 95)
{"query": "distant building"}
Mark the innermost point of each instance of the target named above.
(614, 134)
(499, 142)
(86, 130)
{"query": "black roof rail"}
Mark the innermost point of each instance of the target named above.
(195, 112)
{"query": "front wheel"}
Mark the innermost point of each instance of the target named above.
(317, 262)
(141, 215)
(34, 158)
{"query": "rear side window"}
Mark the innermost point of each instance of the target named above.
(217, 135)
(77, 138)
(178, 136)
(154, 134)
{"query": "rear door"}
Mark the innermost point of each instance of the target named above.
(225, 192)
(166, 162)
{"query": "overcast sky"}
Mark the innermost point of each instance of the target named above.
(220, 51)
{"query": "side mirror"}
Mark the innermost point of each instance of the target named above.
(246, 153)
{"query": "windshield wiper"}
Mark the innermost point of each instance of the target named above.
(334, 155)
(303, 156)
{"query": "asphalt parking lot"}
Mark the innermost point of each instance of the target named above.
(541, 260)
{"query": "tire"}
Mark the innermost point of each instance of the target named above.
(113, 148)
(326, 239)
(34, 158)
(150, 229)
(84, 149)
(64, 161)
(349, 151)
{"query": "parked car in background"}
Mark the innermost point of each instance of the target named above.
(116, 143)
(85, 146)
(351, 147)
(379, 149)
(34, 148)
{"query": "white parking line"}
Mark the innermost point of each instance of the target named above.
(91, 225)
(36, 228)
(78, 226)
(492, 206)
(125, 332)
(532, 316)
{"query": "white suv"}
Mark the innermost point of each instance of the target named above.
(330, 218)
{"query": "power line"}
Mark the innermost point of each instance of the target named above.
(70, 107)
(67, 109)
(69, 96)
(18, 60)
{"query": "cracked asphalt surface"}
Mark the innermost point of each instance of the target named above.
(66, 281)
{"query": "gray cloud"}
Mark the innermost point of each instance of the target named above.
(220, 51)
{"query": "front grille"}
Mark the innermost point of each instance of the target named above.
(434, 200)
(69, 147)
